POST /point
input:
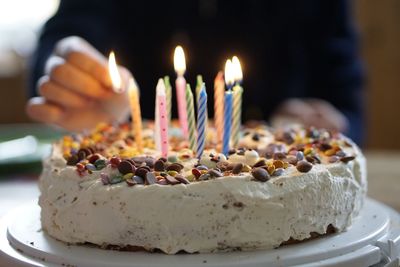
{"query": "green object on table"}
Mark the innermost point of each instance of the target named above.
(23, 146)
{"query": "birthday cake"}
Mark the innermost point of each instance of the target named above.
(276, 187)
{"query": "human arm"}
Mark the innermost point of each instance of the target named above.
(70, 74)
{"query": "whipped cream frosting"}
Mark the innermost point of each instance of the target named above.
(223, 214)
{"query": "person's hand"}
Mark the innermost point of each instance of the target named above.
(310, 112)
(76, 90)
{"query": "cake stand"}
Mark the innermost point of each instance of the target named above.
(372, 240)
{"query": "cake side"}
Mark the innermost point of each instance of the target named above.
(235, 211)
(217, 214)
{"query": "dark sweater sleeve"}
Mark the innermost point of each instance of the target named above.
(95, 21)
(336, 72)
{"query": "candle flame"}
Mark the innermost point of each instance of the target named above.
(114, 73)
(179, 60)
(229, 72)
(237, 70)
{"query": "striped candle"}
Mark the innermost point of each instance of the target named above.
(191, 119)
(201, 121)
(199, 84)
(237, 100)
(227, 122)
(168, 93)
(237, 114)
(163, 120)
(219, 91)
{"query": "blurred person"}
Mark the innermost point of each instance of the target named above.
(300, 58)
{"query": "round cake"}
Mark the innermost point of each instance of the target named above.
(277, 186)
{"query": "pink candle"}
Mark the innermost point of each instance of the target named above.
(180, 84)
(163, 117)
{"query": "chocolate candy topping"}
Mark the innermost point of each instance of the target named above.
(215, 173)
(260, 163)
(171, 180)
(347, 159)
(110, 148)
(142, 171)
(72, 160)
(175, 167)
(126, 167)
(150, 178)
(159, 165)
(260, 174)
(237, 168)
(182, 179)
(304, 166)
(83, 153)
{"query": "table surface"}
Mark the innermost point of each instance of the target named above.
(383, 183)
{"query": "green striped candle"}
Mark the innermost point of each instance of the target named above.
(237, 114)
(191, 118)
(200, 84)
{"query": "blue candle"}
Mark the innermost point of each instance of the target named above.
(227, 122)
(201, 120)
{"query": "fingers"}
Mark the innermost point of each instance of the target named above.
(68, 76)
(90, 66)
(331, 117)
(41, 110)
(295, 107)
(59, 95)
(82, 55)
(311, 112)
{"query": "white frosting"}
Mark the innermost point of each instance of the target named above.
(250, 157)
(219, 214)
(264, 137)
(207, 159)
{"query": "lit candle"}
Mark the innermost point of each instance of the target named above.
(168, 93)
(162, 116)
(237, 70)
(133, 93)
(219, 91)
(180, 83)
(191, 119)
(201, 121)
(237, 100)
(114, 73)
(227, 107)
(135, 113)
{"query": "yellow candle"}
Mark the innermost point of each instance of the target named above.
(219, 96)
(237, 100)
(135, 113)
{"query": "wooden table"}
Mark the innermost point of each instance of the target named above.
(384, 177)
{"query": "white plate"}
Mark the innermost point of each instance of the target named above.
(23, 243)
